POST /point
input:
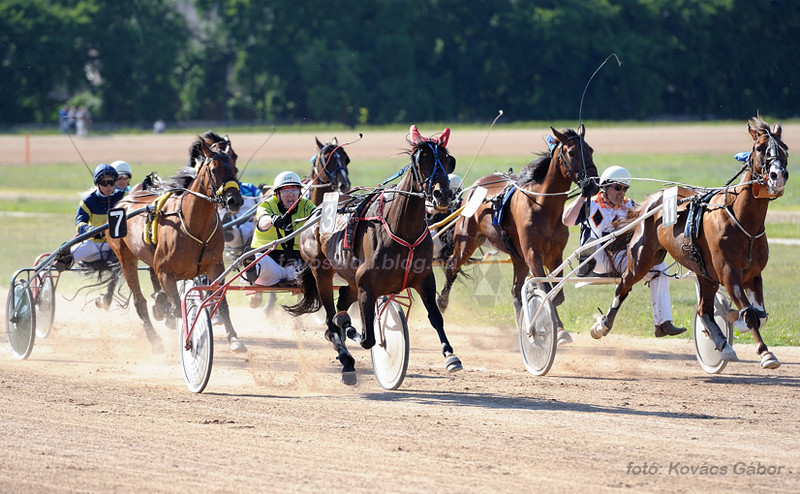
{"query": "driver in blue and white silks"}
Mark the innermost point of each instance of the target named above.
(611, 203)
(93, 212)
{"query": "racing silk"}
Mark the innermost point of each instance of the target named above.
(271, 208)
(93, 211)
(602, 214)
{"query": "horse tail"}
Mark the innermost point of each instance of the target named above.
(310, 301)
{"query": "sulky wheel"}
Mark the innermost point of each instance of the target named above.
(197, 348)
(44, 295)
(538, 345)
(390, 356)
(20, 320)
(707, 354)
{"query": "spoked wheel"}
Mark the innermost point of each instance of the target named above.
(20, 320)
(707, 354)
(44, 295)
(539, 346)
(390, 360)
(197, 358)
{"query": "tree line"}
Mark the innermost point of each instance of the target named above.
(394, 61)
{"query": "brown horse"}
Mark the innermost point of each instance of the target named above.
(329, 172)
(730, 247)
(188, 230)
(531, 231)
(390, 250)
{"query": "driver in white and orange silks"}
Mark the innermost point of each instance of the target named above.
(611, 203)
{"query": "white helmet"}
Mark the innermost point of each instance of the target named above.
(615, 175)
(455, 181)
(123, 167)
(286, 178)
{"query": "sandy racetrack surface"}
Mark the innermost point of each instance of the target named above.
(93, 410)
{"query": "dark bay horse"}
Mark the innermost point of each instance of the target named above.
(531, 230)
(390, 250)
(329, 171)
(189, 240)
(729, 248)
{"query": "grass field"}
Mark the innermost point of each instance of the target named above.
(37, 207)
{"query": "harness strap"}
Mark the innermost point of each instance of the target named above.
(751, 237)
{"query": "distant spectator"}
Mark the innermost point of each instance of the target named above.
(82, 117)
(159, 126)
(63, 119)
(71, 119)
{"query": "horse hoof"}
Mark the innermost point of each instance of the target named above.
(349, 378)
(102, 302)
(157, 345)
(729, 354)
(453, 364)
(598, 331)
(169, 321)
(564, 338)
(237, 346)
(769, 361)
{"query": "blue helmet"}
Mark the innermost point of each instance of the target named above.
(104, 169)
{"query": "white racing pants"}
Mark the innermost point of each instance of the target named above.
(659, 283)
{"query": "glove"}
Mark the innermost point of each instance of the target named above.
(99, 236)
(587, 187)
(277, 221)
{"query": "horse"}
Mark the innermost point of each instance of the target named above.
(188, 232)
(530, 229)
(389, 251)
(329, 171)
(729, 246)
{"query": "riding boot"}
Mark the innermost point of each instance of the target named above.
(666, 328)
(64, 261)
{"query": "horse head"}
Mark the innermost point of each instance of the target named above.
(574, 156)
(431, 164)
(217, 172)
(330, 165)
(769, 158)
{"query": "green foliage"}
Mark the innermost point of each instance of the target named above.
(429, 60)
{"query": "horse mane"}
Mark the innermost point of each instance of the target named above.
(758, 123)
(536, 171)
(182, 179)
(210, 137)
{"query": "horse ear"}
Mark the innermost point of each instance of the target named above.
(415, 135)
(450, 164)
(205, 148)
(581, 130)
(319, 144)
(335, 141)
(558, 135)
(754, 133)
(444, 137)
(776, 129)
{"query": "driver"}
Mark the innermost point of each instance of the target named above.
(277, 217)
(611, 203)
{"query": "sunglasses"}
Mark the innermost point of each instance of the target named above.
(106, 183)
(619, 188)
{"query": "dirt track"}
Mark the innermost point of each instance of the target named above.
(93, 410)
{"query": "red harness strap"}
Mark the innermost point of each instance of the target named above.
(411, 247)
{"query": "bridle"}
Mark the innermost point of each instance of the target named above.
(566, 163)
(426, 185)
(772, 158)
(214, 189)
(321, 168)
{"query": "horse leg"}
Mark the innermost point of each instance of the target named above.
(705, 309)
(342, 318)
(464, 245)
(161, 301)
(333, 333)
(234, 343)
(366, 302)
(105, 301)
(428, 295)
(603, 326)
(129, 264)
(752, 317)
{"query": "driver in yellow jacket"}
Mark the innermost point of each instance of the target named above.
(276, 218)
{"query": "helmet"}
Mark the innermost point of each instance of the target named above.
(285, 178)
(123, 168)
(455, 181)
(104, 169)
(615, 175)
